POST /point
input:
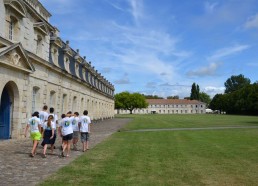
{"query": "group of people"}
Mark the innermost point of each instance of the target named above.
(46, 125)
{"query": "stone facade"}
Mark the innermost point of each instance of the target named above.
(170, 106)
(37, 68)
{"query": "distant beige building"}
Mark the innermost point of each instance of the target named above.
(170, 106)
(38, 68)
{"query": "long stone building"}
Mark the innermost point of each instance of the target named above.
(37, 68)
(170, 106)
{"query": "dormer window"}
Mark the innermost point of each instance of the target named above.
(55, 56)
(84, 74)
(89, 77)
(67, 64)
(93, 80)
(77, 69)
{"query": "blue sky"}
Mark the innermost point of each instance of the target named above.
(161, 47)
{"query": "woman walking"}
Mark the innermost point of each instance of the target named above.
(48, 135)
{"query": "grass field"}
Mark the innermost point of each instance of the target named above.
(199, 157)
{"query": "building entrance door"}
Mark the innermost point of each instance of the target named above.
(5, 110)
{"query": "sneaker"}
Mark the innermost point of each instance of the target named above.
(62, 154)
(44, 156)
(31, 155)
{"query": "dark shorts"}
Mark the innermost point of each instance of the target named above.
(68, 137)
(85, 136)
(76, 134)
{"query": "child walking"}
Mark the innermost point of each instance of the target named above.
(35, 135)
(84, 126)
(75, 130)
(66, 129)
(43, 115)
(55, 124)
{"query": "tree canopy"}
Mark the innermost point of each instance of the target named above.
(235, 83)
(204, 98)
(240, 97)
(130, 101)
(173, 97)
(195, 92)
(152, 97)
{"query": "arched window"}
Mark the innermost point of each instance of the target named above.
(74, 104)
(82, 104)
(13, 28)
(39, 42)
(64, 104)
(88, 104)
(35, 99)
(52, 99)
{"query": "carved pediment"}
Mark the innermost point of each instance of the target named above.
(17, 6)
(41, 27)
(58, 42)
(15, 56)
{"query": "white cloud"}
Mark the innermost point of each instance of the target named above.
(227, 52)
(252, 64)
(212, 91)
(252, 22)
(151, 85)
(136, 9)
(62, 7)
(123, 80)
(205, 71)
(116, 6)
(210, 7)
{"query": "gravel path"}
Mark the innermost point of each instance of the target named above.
(17, 168)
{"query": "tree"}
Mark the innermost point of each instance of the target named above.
(235, 83)
(152, 97)
(195, 92)
(217, 102)
(128, 101)
(173, 97)
(205, 98)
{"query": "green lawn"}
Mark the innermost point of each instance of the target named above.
(186, 121)
(200, 157)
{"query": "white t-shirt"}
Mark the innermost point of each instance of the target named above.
(34, 122)
(55, 118)
(45, 125)
(43, 115)
(67, 127)
(75, 122)
(85, 121)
